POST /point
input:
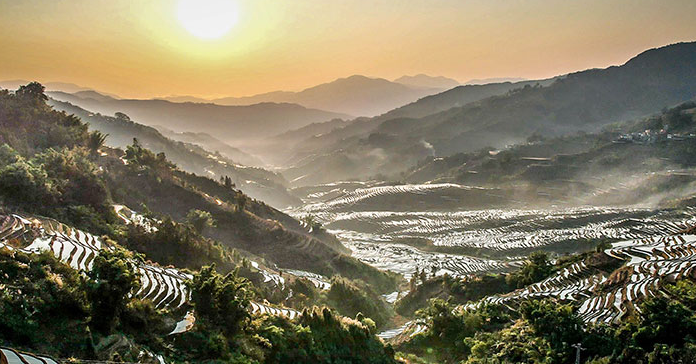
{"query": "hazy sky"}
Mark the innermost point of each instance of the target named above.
(139, 48)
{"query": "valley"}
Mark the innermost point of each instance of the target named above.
(390, 234)
(352, 219)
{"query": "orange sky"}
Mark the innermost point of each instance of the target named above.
(138, 48)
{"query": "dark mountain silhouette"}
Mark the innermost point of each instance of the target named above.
(320, 148)
(582, 101)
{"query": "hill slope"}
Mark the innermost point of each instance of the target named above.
(208, 142)
(644, 161)
(583, 101)
(315, 151)
(256, 182)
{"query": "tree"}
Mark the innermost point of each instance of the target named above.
(221, 301)
(122, 116)
(556, 323)
(33, 91)
(227, 181)
(112, 278)
(144, 159)
(199, 220)
(241, 202)
(535, 269)
(96, 141)
(664, 321)
(23, 183)
(312, 222)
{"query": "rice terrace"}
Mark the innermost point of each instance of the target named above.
(335, 182)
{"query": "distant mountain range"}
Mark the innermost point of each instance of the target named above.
(58, 86)
(425, 81)
(354, 95)
(212, 144)
(227, 123)
(582, 101)
(646, 161)
(319, 147)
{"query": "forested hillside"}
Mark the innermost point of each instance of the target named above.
(643, 161)
(53, 167)
(138, 177)
(582, 101)
(120, 130)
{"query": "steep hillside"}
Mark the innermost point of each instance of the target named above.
(229, 123)
(580, 101)
(315, 152)
(648, 160)
(583, 101)
(53, 166)
(458, 96)
(624, 302)
(71, 294)
(256, 182)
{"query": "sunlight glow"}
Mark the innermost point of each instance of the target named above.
(207, 19)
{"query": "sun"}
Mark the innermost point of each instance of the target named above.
(207, 19)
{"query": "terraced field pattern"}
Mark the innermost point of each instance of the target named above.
(164, 286)
(403, 235)
(650, 246)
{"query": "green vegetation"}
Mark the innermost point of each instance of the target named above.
(50, 165)
(43, 304)
(353, 298)
(536, 268)
(112, 278)
(472, 288)
(446, 287)
(227, 333)
(179, 245)
(544, 331)
(574, 166)
(191, 157)
(47, 167)
(322, 337)
(200, 220)
(49, 307)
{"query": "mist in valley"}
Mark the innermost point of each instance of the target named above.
(228, 181)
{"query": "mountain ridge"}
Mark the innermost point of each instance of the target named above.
(354, 95)
(581, 101)
(425, 81)
(232, 123)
